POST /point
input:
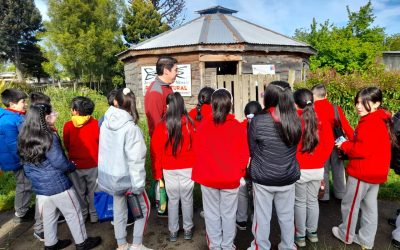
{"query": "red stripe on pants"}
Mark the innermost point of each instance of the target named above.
(146, 200)
(351, 211)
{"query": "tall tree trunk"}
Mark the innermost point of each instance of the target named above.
(18, 65)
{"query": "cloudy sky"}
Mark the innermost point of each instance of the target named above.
(285, 16)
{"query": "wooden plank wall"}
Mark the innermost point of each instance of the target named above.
(244, 88)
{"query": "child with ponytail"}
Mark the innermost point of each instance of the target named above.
(203, 107)
(312, 153)
(369, 155)
(46, 166)
(174, 159)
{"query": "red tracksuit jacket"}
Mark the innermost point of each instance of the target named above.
(221, 152)
(206, 112)
(369, 151)
(163, 157)
(82, 143)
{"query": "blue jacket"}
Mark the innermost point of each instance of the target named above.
(50, 177)
(10, 123)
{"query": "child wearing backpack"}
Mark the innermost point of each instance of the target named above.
(81, 140)
(11, 119)
(369, 155)
(45, 165)
(313, 151)
(174, 158)
(122, 155)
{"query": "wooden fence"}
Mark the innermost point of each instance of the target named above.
(244, 88)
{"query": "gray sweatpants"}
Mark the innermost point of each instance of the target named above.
(283, 199)
(179, 186)
(306, 208)
(338, 176)
(121, 216)
(84, 181)
(243, 203)
(67, 202)
(220, 207)
(359, 195)
(23, 193)
(396, 232)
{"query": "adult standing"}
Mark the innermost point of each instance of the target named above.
(155, 105)
(326, 114)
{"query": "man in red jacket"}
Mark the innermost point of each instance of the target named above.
(155, 105)
(326, 114)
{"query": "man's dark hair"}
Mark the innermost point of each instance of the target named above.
(39, 97)
(83, 105)
(165, 62)
(12, 95)
(319, 90)
(111, 97)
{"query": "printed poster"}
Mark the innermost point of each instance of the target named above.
(266, 69)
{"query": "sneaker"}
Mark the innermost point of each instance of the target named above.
(61, 244)
(358, 242)
(335, 232)
(139, 247)
(61, 219)
(300, 241)
(202, 214)
(39, 236)
(392, 221)
(93, 219)
(162, 215)
(28, 216)
(125, 246)
(312, 237)
(89, 243)
(173, 237)
(242, 226)
(396, 243)
(188, 234)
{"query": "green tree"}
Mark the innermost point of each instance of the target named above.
(354, 47)
(20, 21)
(393, 42)
(142, 21)
(86, 36)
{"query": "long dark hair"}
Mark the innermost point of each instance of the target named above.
(35, 137)
(305, 101)
(221, 102)
(278, 95)
(204, 97)
(173, 119)
(127, 101)
(374, 95)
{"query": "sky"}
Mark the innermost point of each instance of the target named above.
(285, 16)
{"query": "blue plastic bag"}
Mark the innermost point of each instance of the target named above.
(103, 203)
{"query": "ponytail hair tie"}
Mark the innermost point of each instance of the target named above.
(126, 91)
(250, 116)
(308, 102)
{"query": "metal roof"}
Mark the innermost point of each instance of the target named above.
(217, 28)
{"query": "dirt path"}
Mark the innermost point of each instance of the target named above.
(19, 237)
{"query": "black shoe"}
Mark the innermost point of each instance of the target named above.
(61, 219)
(395, 243)
(28, 216)
(89, 243)
(398, 211)
(61, 244)
(162, 215)
(392, 222)
(39, 236)
(242, 226)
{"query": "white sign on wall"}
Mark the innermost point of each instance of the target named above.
(182, 84)
(266, 69)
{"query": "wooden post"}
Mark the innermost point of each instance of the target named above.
(291, 77)
(202, 69)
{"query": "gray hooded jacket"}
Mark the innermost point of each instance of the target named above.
(122, 154)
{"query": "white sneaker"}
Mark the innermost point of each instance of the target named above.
(335, 232)
(357, 241)
(139, 247)
(123, 247)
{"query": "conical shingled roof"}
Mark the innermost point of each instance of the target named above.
(217, 25)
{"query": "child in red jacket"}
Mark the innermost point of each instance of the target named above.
(81, 140)
(222, 153)
(203, 107)
(369, 160)
(313, 151)
(174, 159)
